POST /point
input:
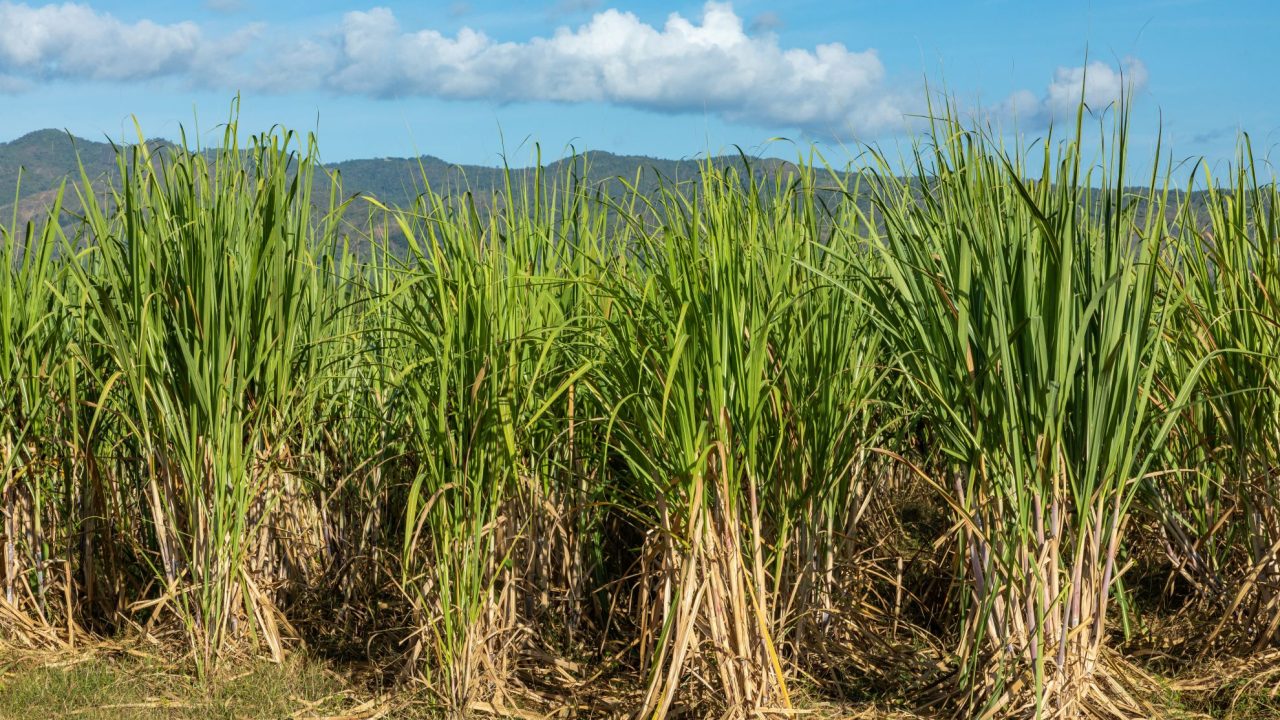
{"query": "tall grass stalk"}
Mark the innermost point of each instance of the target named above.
(206, 300)
(738, 382)
(1025, 315)
(1225, 533)
(485, 313)
(33, 428)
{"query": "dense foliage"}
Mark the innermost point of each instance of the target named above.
(721, 444)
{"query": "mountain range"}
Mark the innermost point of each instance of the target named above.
(33, 166)
(41, 160)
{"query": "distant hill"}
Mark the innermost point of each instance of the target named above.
(45, 158)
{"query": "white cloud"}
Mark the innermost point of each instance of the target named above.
(1023, 104)
(74, 41)
(1100, 85)
(713, 65)
(710, 65)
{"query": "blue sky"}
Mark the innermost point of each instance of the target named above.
(460, 79)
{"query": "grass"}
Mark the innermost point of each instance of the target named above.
(1029, 333)
(98, 688)
(727, 447)
(113, 685)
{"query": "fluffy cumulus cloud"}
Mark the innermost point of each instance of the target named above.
(72, 41)
(1098, 84)
(712, 64)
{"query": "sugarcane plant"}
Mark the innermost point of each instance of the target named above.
(205, 300)
(1225, 532)
(1025, 314)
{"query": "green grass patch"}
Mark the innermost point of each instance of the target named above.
(93, 687)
